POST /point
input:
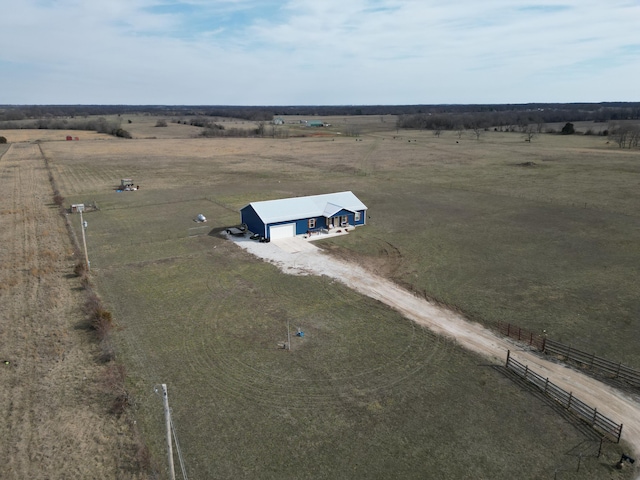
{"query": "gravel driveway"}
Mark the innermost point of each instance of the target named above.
(298, 256)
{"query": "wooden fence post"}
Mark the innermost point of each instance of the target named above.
(569, 402)
(595, 416)
(526, 370)
(508, 355)
(546, 384)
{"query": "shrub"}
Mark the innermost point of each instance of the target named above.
(568, 129)
(80, 269)
(3, 139)
(161, 123)
(120, 132)
(113, 383)
(102, 323)
(57, 198)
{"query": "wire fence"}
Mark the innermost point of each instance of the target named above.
(522, 335)
(601, 424)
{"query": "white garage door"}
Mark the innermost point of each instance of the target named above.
(282, 231)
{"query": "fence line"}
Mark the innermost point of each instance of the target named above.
(603, 425)
(590, 360)
(616, 369)
(522, 335)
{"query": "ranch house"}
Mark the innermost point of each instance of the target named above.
(288, 217)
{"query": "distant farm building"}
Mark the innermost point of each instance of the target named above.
(278, 121)
(315, 123)
(77, 207)
(288, 217)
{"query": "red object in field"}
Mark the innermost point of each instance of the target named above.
(69, 137)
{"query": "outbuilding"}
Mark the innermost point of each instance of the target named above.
(288, 217)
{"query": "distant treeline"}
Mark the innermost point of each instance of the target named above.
(100, 125)
(451, 115)
(515, 119)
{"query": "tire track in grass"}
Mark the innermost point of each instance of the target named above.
(215, 353)
(472, 336)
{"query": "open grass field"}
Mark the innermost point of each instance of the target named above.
(365, 394)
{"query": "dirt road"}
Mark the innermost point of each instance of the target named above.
(299, 257)
(53, 422)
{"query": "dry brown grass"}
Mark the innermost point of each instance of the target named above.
(53, 413)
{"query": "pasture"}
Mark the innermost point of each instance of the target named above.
(542, 234)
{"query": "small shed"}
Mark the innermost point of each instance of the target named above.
(77, 207)
(126, 182)
(288, 217)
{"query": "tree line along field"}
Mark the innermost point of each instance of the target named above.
(541, 234)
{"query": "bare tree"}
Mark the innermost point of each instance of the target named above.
(477, 131)
(530, 133)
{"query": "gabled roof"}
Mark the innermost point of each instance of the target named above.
(327, 205)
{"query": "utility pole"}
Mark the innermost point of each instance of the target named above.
(288, 337)
(167, 419)
(83, 227)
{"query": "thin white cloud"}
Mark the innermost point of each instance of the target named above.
(318, 52)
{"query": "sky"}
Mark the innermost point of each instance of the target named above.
(318, 52)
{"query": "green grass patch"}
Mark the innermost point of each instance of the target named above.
(366, 393)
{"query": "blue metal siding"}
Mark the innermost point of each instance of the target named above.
(253, 221)
(255, 224)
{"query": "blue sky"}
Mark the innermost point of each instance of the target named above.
(329, 52)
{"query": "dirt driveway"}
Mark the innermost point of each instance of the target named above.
(300, 257)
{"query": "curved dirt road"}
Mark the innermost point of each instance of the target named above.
(299, 257)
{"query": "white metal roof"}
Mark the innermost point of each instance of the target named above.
(271, 211)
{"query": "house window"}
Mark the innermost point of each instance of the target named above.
(356, 217)
(312, 223)
(344, 220)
